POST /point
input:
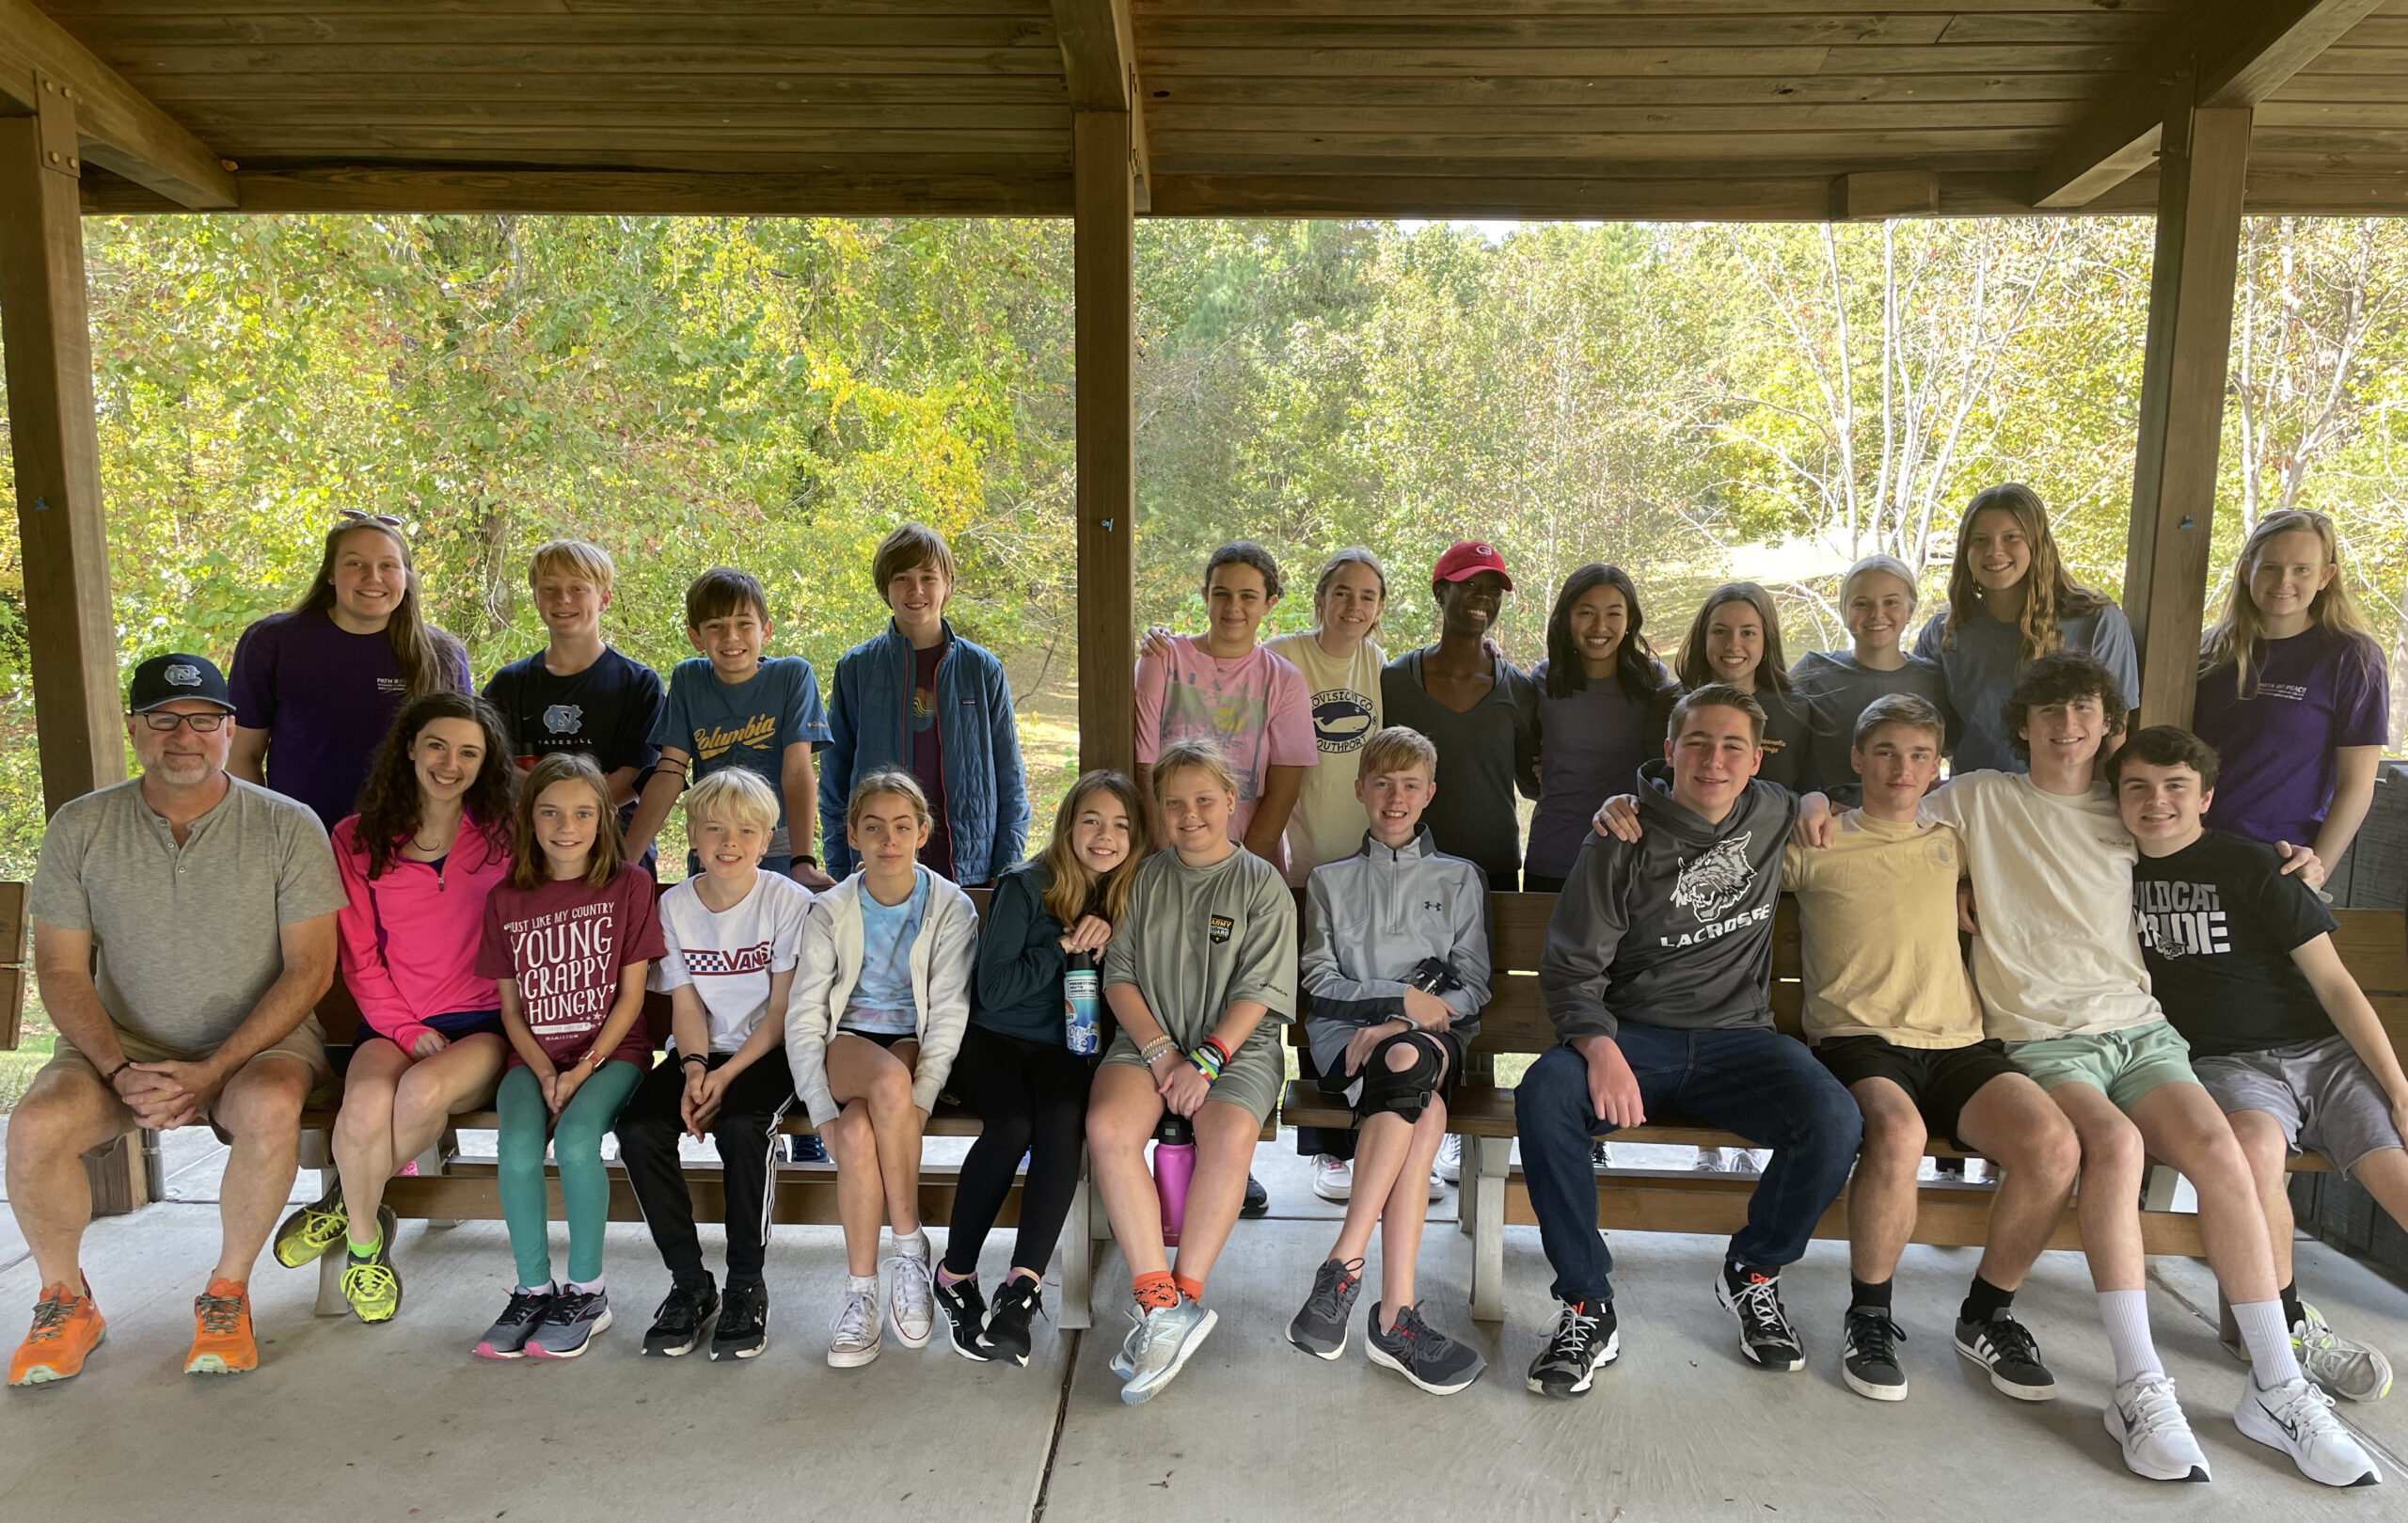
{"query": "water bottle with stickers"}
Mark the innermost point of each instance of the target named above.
(1081, 1005)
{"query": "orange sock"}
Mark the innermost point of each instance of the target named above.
(1192, 1288)
(1154, 1291)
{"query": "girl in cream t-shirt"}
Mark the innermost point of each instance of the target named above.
(1340, 663)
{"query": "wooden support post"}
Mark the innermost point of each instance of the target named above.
(1105, 287)
(2201, 178)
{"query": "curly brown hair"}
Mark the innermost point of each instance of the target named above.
(389, 802)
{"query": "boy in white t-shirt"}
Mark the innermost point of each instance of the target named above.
(734, 935)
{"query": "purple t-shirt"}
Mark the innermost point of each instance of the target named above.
(2317, 693)
(927, 758)
(326, 697)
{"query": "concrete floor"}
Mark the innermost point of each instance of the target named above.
(345, 1421)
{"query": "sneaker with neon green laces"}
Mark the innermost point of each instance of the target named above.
(2341, 1365)
(369, 1282)
(313, 1231)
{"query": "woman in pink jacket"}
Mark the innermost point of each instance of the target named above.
(430, 840)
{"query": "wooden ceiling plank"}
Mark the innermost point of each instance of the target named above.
(1030, 191)
(272, 67)
(1629, 62)
(1099, 67)
(378, 28)
(119, 128)
(2239, 52)
(1169, 33)
(1337, 119)
(1501, 91)
(743, 91)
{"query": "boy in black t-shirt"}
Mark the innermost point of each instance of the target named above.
(577, 695)
(2242, 958)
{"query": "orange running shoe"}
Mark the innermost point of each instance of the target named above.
(66, 1328)
(221, 1339)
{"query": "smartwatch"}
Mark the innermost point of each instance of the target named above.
(805, 858)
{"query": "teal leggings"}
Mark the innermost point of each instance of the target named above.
(576, 1146)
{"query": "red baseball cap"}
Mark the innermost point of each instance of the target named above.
(1467, 558)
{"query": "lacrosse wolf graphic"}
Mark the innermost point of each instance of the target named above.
(1718, 879)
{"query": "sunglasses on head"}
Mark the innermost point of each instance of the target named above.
(353, 516)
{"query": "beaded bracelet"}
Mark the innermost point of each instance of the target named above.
(1155, 1049)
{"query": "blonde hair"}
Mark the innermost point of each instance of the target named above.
(892, 780)
(1072, 889)
(2051, 593)
(1397, 749)
(1181, 755)
(571, 557)
(528, 867)
(1888, 565)
(2237, 636)
(736, 795)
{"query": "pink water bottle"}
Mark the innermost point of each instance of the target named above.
(1174, 1167)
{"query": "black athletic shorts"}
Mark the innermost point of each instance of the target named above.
(1940, 1079)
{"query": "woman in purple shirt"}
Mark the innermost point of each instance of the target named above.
(2292, 693)
(316, 688)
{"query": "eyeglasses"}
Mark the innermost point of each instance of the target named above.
(202, 723)
(353, 516)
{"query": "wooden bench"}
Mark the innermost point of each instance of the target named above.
(1953, 1214)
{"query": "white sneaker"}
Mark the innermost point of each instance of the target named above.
(1171, 1334)
(1437, 1187)
(2146, 1417)
(2297, 1418)
(1333, 1177)
(912, 1285)
(2341, 1365)
(1451, 1159)
(853, 1339)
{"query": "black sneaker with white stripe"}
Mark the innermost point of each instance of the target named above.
(2006, 1348)
(1585, 1336)
(963, 1307)
(1765, 1333)
(1869, 1359)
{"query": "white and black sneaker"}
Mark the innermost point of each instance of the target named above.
(2298, 1419)
(2146, 1417)
(1765, 1333)
(677, 1326)
(2006, 1348)
(1585, 1336)
(964, 1310)
(1017, 1304)
(743, 1329)
(1869, 1354)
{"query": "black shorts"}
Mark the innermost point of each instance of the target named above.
(1940, 1079)
(884, 1039)
(1336, 1087)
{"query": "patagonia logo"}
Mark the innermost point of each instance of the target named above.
(1223, 925)
(393, 685)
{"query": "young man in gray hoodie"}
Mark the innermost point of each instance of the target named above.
(1657, 971)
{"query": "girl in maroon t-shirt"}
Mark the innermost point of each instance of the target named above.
(567, 939)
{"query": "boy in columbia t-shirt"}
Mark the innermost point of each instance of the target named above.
(2242, 956)
(730, 706)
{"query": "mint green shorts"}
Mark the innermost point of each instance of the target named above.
(2123, 1065)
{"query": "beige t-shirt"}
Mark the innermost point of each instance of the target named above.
(1345, 696)
(2052, 889)
(1877, 913)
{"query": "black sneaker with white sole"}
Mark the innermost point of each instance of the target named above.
(1421, 1354)
(685, 1312)
(1020, 1302)
(1765, 1336)
(2006, 1348)
(1869, 1354)
(1258, 1200)
(743, 1329)
(1319, 1327)
(1585, 1336)
(963, 1306)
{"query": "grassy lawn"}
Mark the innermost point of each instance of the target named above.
(34, 1045)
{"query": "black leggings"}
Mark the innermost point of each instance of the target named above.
(1029, 1097)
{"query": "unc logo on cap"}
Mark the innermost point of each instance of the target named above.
(182, 675)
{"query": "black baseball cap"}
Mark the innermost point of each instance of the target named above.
(163, 679)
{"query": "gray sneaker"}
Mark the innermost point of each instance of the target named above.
(1421, 1354)
(2341, 1365)
(1320, 1328)
(507, 1338)
(570, 1323)
(1171, 1334)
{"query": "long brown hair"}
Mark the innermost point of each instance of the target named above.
(390, 806)
(2051, 593)
(530, 868)
(2238, 635)
(419, 649)
(1772, 671)
(1072, 889)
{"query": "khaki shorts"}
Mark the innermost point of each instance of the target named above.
(2122, 1065)
(305, 1044)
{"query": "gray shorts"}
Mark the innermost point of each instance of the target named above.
(2320, 1092)
(1253, 1080)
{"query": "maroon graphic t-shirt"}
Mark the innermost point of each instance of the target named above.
(566, 946)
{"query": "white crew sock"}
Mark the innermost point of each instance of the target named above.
(2270, 1360)
(2126, 1314)
(914, 1246)
(861, 1285)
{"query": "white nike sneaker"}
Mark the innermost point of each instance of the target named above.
(2146, 1418)
(1451, 1159)
(2297, 1418)
(1333, 1177)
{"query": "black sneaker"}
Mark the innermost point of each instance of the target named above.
(1585, 1336)
(1869, 1354)
(1017, 1304)
(1765, 1334)
(677, 1326)
(806, 1148)
(2006, 1348)
(1320, 1328)
(743, 1328)
(1421, 1354)
(1257, 1199)
(965, 1313)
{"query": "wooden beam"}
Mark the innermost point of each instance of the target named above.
(2236, 52)
(1099, 67)
(1036, 190)
(1877, 195)
(69, 629)
(1104, 286)
(121, 130)
(2200, 187)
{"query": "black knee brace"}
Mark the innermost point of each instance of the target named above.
(1407, 1092)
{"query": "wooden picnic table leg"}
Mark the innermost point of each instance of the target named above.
(1495, 1155)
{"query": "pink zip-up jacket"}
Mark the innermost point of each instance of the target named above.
(409, 939)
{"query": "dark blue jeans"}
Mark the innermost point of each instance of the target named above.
(1763, 1085)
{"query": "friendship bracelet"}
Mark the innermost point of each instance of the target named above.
(1155, 1049)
